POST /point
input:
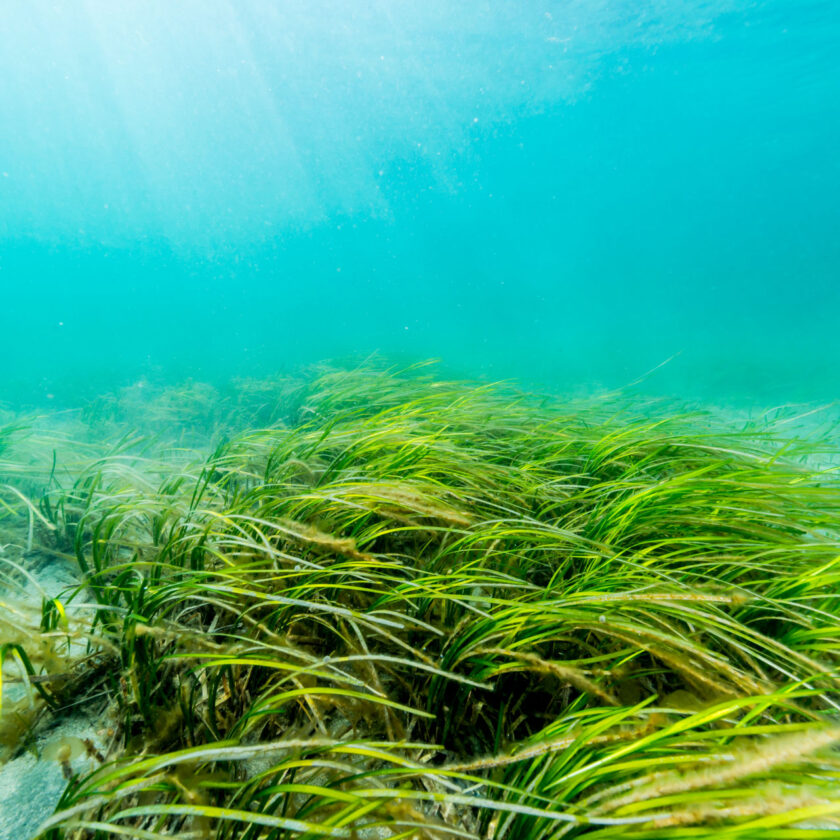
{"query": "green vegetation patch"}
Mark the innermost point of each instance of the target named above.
(424, 609)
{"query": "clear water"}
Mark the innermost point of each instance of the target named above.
(568, 193)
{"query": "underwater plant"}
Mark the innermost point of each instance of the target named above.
(419, 608)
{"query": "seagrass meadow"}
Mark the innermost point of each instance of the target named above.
(372, 603)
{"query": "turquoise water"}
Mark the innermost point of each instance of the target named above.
(568, 193)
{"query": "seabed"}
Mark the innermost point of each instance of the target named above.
(373, 604)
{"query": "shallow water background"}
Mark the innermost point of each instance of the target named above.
(568, 193)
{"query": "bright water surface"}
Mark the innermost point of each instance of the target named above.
(565, 192)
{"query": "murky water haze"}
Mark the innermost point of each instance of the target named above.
(563, 193)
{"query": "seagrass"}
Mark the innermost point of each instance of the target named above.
(386, 605)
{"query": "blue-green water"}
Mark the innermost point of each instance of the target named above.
(561, 192)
